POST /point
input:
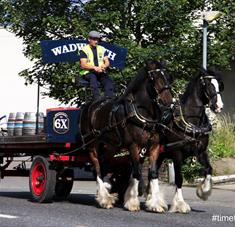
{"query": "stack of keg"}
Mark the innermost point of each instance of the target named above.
(21, 123)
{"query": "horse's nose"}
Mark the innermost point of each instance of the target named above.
(219, 109)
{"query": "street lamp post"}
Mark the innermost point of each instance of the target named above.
(204, 45)
(38, 101)
(207, 17)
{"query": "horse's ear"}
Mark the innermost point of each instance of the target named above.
(203, 71)
(163, 63)
(150, 64)
(215, 71)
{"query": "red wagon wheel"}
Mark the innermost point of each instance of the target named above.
(42, 180)
(38, 178)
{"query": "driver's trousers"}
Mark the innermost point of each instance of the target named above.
(95, 79)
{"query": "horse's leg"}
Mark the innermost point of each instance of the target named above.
(131, 201)
(204, 189)
(154, 201)
(178, 204)
(103, 197)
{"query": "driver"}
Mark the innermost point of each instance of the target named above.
(94, 62)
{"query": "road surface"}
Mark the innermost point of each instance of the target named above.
(80, 210)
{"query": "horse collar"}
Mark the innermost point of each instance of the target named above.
(136, 117)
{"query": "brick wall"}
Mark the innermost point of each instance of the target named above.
(163, 172)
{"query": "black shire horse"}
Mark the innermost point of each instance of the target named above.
(108, 126)
(191, 121)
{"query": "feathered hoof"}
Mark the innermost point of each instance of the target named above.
(180, 207)
(156, 209)
(106, 202)
(107, 186)
(204, 195)
(132, 205)
(156, 206)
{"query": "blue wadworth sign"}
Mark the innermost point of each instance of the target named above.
(67, 50)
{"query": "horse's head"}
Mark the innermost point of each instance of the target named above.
(212, 86)
(160, 80)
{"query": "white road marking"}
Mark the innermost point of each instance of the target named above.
(7, 216)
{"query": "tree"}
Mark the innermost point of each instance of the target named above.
(222, 35)
(161, 29)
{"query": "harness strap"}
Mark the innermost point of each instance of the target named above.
(166, 87)
(136, 117)
(190, 128)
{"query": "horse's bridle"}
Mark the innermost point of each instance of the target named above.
(202, 79)
(152, 76)
(189, 128)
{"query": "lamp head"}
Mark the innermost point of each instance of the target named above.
(209, 16)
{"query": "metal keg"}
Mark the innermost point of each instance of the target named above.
(11, 124)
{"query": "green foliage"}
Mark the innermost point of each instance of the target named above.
(162, 29)
(222, 140)
(223, 32)
(191, 169)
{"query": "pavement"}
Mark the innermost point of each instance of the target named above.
(229, 187)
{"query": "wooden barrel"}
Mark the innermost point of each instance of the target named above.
(19, 124)
(29, 123)
(11, 124)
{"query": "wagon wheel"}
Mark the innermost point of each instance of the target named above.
(64, 184)
(42, 180)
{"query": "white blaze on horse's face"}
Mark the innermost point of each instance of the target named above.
(219, 102)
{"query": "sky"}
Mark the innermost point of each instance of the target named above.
(14, 95)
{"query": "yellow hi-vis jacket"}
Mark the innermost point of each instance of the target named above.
(90, 57)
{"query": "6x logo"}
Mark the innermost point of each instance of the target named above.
(61, 123)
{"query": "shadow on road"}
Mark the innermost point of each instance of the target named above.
(84, 199)
(197, 211)
(17, 195)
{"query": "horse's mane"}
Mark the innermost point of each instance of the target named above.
(136, 81)
(191, 85)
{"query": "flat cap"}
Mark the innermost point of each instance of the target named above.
(94, 34)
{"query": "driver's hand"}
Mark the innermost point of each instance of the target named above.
(98, 69)
(103, 67)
